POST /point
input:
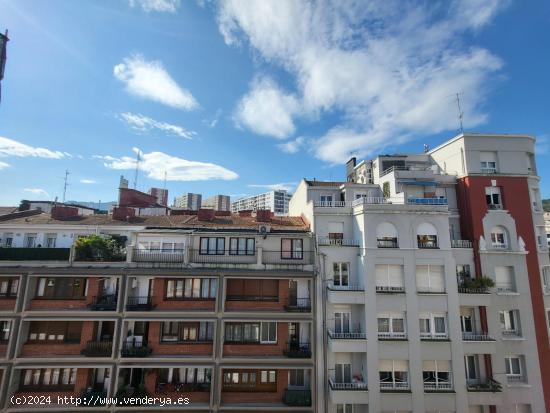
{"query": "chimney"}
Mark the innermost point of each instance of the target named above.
(205, 214)
(63, 212)
(263, 215)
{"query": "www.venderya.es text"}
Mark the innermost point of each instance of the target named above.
(98, 401)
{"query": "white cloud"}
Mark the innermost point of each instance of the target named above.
(4, 165)
(149, 80)
(267, 110)
(542, 144)
(383, 70)
(286, 186)
(166, 6)
(9, 147)
(37, 192)
(143, 124)
(156, 164)
(293, 146)
(88, 181)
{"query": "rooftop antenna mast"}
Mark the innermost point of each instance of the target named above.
(165, 175)
(66, 179)
(460, 113)
(138, 158)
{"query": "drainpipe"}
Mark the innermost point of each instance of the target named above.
(324, 330)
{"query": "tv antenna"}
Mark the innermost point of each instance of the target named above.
(66, 179)
(138, 158)
(165, 175)
(460, 112)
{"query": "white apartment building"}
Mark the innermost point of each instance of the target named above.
(218, 203)
(407, 328)
(275, 201)
(188, 201)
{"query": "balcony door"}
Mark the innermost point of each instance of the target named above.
(343, 373)
(472, 370)
(467, 323)
(293, 292)
(342, 322)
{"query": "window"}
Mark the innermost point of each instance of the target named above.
(493, 197)
(264, 333)
(509, 323)
(191, 288)
(505, 280)
(189, 375)
(241, 246)
(48, 378)
(342, 373)
(426, 236)
(513, 368)
(183, 331)
(463, 274)
(252, 290)
(212, 246)
(336, 232)
(4, 331)
(389, 278)
(433, 326)
(292, 248)
(250, 380)
(488, 161)
(499, 238)
(61, 288)
(470, 362)
(325, 200)
(51, 240)
(30, 240)
(164, 247)
(391, 326)
(341, 323)
(436, 374)
(393, 374)
(386, 235)
(55, 331)
(268, 332)
(9, 287)
(8, 239)
(546, 279)
(340, 277)
(467, 321)
(430, 278)
(296, 378)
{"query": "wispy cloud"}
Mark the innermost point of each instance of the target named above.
(383, 69)
(293, 146)
(143, 123)
(157, 164)
(211, 122)
(37, 192)
(164, 6)
(88, 181)
(4, 165)
(150, 80)
(285, 186)
(542, 144)
(9, 147)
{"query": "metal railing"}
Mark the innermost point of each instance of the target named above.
(488, 170)
(392, 335)
(470, 290)
(337, 242)
(357, 385)
(298, 304)
(434, 336)
(430, 290)
(427, 201)
(435, 386)
(498, 246)
(347, 336)
(511, 333)
(135, 349)
(331, 204)
(515, 378)
(473, 336)
(389, 289)
(387, 243)
(297, 397)
(428, 245)
(461, 243)
(393, 169)
(297, 350)
(158, 255)
(34, 254)
(140, 303)
(349, 287)
(223, 257)
(105, 302)
(505, 289)
(395, 386)
(98, 349)
(483, 385)
(373, 200)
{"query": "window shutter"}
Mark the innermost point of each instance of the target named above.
(235, 287)
(422, 277)
(401, 365)
(437, 281)
(270, 288)
(396, 275)
(381, 274)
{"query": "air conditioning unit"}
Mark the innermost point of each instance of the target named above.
(264, 229)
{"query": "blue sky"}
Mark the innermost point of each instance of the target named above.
(238, 97)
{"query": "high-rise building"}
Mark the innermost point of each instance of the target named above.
(435, 280)
(161, 194)
(188, 201)
(218, 203)
(275, 201)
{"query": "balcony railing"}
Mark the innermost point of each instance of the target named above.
(337, 242)
(135, 349)
(488, 170)
(141, 303)
(224, 257)
(394, 386)
(470, 290)
(98, 349)
(289, 258)
(371, 200)
(430, 290)
(158, 255)
(357, 385)
(438, 386)
(393, 169)
(427, 201)
(392, 335)
(506, 289)
(461, 243)
(386, 289)
(297, 350)
(494, 206)
(34, 254)
(498, 246)
(297, 397)
(331, 204)
(515, 378)
(472, 336)
(511, 333)
(105, 302)
(347, 336)
(298, 304)
(483, 385)
(387, 243)
(434, 336)
(348, 287)
(428, 245)
(91, 397)
(163, 388)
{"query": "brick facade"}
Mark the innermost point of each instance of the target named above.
(229, 397)
(246, 306)
(161, 304)
(175, 349)
(260, 350)
(7, 304)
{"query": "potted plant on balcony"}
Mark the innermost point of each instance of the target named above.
(99, 248)
(478, 283)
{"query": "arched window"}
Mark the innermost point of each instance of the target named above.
(426, 236)
(386, 235)
(499, 237)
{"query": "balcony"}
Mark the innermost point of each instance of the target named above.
(105, 302)
(295, 397)
(386, 289)
(471, 336)
(98, 349)
(332, 204)
(464, 289)
(387, 243)
(223, 257)
(388, 386)
(298, 305)
(346, 294)
(516, 379)
(143, 303)
(337, 242)
(461, 243)
(135, 349)
(511, 334)
(34, 254)
(348, 386)
(347, 342)
(350, 393)
(434, 336)
(392, 336)
(428, 245)
(483, 385)
(297, 350)
(427, 201)
(439, 386)
(506, 289)
(158, 255)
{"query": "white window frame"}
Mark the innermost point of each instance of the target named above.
(431, 325)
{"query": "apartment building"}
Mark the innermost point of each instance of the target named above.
(275, 201)
(188, 201)
(216, 308)
(218, 203)
(161, 195)
(409, 320)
